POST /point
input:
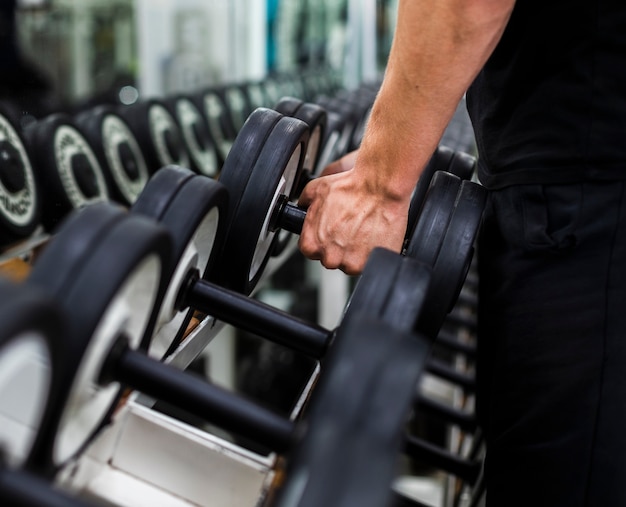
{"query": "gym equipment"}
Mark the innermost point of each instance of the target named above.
(203, 152)
(443, 238)
(122, 161)
(107, 325)
(354, 119)
(277, 144)
(259, 206)
(236, 104)
(19, 194)
(355, 432)
(30, 359)
(444, 159)
(157, 132)
(65, 165)
(189, 205)
(194, 208)
(315, 117)
(222, 131)
(108, 292)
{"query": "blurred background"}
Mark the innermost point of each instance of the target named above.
(60, 53)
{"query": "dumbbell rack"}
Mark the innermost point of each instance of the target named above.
(144, 457)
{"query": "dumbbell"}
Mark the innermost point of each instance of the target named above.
(189, 205)
(65, 166)
(361, 101)
(236, 104)
(157, 132)
(121, 159)
(259, 193)
(315, 117)
(349, 454)
(193, 209)
(444, 159)
(196, 136)
(222, 131)
(20, 208)
(376, 284)
(108, 279)
(190, 214)
(30, 358)
(257, 97)
(354, 118)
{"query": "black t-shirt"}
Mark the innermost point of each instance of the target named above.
(550, 104)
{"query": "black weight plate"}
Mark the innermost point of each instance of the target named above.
(357, 416)
(287, 106)
(351, 116)
(432, 222)
(240, 162)
(256, 95)
(93, 221)
(315, 117)
(194, 218)
(391, 288)
(30, 358)
(157, 132)
(439, 161)
(454, 257)
(237, 106)
(20, 208)
(160, 190)
(115, 293)
(462, 164)
(122, 161)
(334, 144)
(212, 105)
(66, 167)
(249, 241)
(195, 132)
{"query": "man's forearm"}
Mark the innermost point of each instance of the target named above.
(439, 47)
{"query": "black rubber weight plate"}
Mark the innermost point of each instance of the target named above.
(439, 161)
(19, 196)
(391, 288)
(93, 222)
(132, 248)
(123, 163)
(462, 165)
(160, 190)
(196, 136)
(248, 244)
(432, 221)
(287, 106)
(194, 215)
(30, 350)
(373, 366)
(454, 257)
(67, 167)
(315, 117)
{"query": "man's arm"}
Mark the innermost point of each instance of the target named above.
(438, 49)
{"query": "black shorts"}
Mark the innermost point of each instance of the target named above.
(552, 345)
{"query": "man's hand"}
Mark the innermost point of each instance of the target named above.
(346, 220)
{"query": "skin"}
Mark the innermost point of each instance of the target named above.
(362, 200)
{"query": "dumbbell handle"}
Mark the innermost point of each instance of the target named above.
(421, 450)
(255, 317)
(286, 216)
(202, 399)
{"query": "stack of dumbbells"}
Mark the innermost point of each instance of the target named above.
(128, 222)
